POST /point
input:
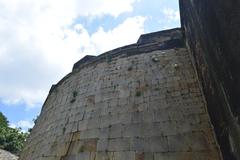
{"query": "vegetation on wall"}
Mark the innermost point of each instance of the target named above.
(11, 139)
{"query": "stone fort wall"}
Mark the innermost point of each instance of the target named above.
(212, 33)
(138, 102)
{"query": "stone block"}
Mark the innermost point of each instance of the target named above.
(148, 116)
(102, 145)
(89, 145)
(137, 144)
(115, 131)
(119, 144)
(156, 144)
(127, 155)
(83, 156)
(188, 142)
(137, 117)
(89, 134)
(104, 132)
(105, 121)
(93, 123)
(132, 130)
(170, 128)
(74, 126)
(160, 115)
(103, 155)
(125, 118)
(187, 156)
(82, 125)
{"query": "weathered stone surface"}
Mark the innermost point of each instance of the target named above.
(141, 103)
(212, 31)
(4, 155)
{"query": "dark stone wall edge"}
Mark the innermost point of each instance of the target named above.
(212, 32)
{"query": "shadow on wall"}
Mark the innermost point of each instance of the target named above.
(212, 30)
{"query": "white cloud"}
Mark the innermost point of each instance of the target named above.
(113, 7)
(171, 14)
(12, 125)
(39, 42)
(126, 33)
(23, 124)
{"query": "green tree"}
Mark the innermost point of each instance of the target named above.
(3, 120)
(11, 139)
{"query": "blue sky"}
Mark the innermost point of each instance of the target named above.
(41, 40)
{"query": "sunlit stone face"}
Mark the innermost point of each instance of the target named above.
(130, 106)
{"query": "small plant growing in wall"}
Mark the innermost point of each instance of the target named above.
(81, 149)
(74, 95)
(130, 68)
(64, 129)
(108, 59)
(138, 93)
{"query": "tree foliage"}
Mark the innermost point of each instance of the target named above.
(11, 139)
(3, 120)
